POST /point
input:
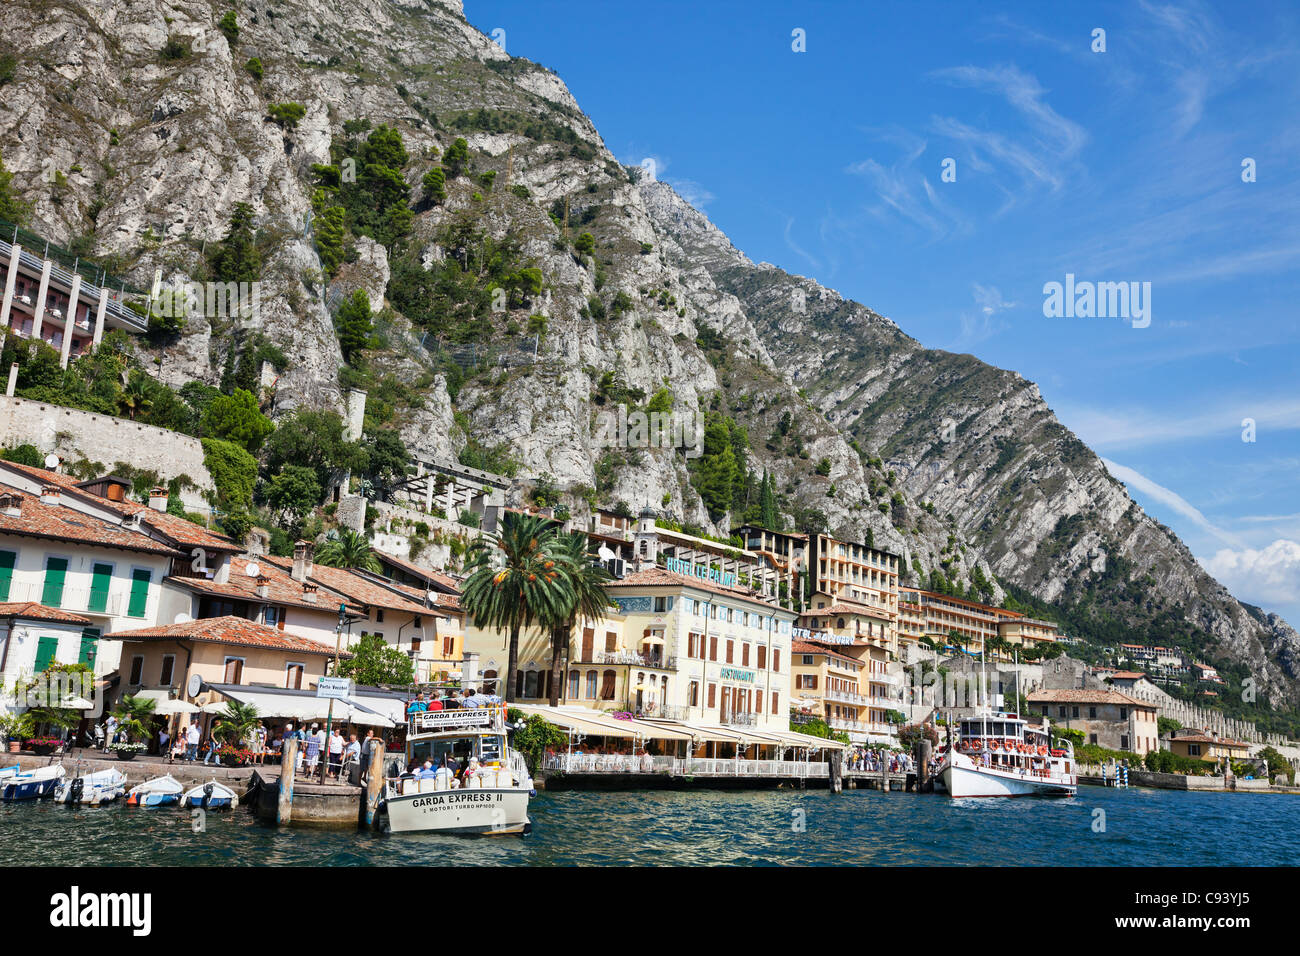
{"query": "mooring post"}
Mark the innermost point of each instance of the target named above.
(284, 806)
(374, 781)
(837, 771)
(924, 750)
(884, 773)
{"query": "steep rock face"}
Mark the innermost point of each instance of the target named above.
(156, 150)
(982, 445)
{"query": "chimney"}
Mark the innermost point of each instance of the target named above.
(302, 563)
(158, 499)
(49, 495)
(11, 505)
(309, 593)
(263, 586)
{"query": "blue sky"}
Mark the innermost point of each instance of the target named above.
(1117, 166)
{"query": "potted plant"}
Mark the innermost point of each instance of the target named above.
(14, 729)
(41, 746)
(131, 716)
(126, 749)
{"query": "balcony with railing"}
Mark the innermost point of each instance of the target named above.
(95, 601)
(682, 766)
(655, 661)
(739, 720)
(846, 696)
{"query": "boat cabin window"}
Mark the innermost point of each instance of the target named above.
(487, 749)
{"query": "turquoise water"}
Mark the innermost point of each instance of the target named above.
(1142, 828)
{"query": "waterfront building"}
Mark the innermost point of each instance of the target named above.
(787, 552)
(183, 659)
(936, 616)
(51, 295)
(853, 572)
(106, 571)
(1022, 632)
(444, 658)
(1107, 718)
(1203, 745)
(33, 637)
(384, 609)
(730, 565)
(679, 646)
(834, 682)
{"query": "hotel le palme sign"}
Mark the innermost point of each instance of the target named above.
(726, 578)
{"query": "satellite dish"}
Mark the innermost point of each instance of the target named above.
(194, 686)
(51, 461)
(253, 570)
(182, 618)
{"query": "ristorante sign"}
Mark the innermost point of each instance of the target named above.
(725, 578)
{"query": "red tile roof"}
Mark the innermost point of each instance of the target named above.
(356, 587)
(281, 587)
(175, 529)
(32, 611)
(61, 523)
(1076, 696)
(448, 603)
(662, 577)
(226, 630)
(413, 569)
(1209, 739)
(1127, 675)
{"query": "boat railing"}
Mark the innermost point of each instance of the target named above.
(682, 766)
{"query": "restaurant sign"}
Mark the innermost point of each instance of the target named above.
(725, 578)
(730, 673)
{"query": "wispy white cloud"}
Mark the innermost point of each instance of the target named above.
(1136, 481)
(794, 247)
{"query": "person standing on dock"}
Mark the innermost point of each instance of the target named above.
(192, 741)
(366, 746)
(335, 753)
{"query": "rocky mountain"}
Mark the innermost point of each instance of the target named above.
(134, 128)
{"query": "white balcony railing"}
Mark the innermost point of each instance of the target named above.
(682, 766)
(79, 600)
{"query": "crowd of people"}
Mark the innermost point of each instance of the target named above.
(877, 759)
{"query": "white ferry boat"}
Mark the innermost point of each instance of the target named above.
(1001, 755)
(473, 784)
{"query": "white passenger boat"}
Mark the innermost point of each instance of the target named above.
(158, 792)
(209, 796)
(92, 789)
(474, 785)
(1001, 755)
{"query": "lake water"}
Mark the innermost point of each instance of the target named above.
(815, 827)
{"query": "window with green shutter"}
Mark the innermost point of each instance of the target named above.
(56, 570)
(139, 592)
(101, 576)
(7, 559)
(46, 649)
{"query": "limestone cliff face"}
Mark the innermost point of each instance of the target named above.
(849, 415)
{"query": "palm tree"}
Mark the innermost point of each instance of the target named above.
(132, 713)
(349, 550)
(514, 583)
(584, 597)
(138, 394)
(237, 721)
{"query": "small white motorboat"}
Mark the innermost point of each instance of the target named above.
(7, 772)
(158, 792)
(31, 784)
(92, 789)
(210, 796)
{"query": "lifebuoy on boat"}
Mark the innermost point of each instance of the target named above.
(975, 743)
(1042, 751)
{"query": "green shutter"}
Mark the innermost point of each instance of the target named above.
(139, 592)
(89, 646)
(46, 648)
(56, 569)
(101, 577)
(6, 572)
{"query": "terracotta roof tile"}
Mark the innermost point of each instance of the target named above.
(1078, 696)
(32, 611)
(356, 587)
(437, 577)
(176, 529)
(226, 630)
(62, 523)
(281, 587)
(660, 576)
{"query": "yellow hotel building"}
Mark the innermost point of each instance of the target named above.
(678, 646)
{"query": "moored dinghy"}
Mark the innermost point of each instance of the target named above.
(158, 792)
(31, 784)
(92, 789)
(210, 796)
(7, 772)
